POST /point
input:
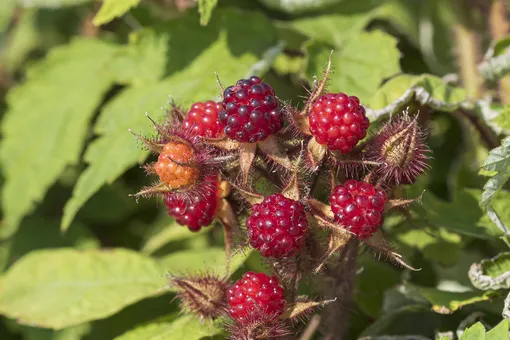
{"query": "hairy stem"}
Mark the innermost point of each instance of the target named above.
(499, 27)
(340, 286)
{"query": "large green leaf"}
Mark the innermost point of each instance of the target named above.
(492, 273)
(338, 26)
(35, 333)
(111, 9)
(186, 327)
(48, 236)
(360, 66)
(47, 121)
(65, 287)
(500, 332)
(229, 47)
(7, 8)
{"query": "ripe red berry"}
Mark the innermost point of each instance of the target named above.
(255, 295)
(277, 226)
(203, 120)
(358, 207)
(250, 111)
(170, 169)
(199, 208)
(339, 121)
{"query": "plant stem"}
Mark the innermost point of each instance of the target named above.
(485, 132)
(499, 27)
(340, 287)
(467, 50)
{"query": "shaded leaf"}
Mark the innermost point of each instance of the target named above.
(111, 9)
(205, 260)
(491, 274)
(65, 287)
(428, 90)
(444, 302)
(186, 327)
(39, 143)
(226, 47)
(360, 66)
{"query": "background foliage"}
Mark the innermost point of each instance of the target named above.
(80, 259)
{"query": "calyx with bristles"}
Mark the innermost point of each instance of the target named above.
(202, 295)
(401, 151)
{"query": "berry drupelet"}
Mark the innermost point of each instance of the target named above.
(171, 165)
(198, 210)
(358, 207)
(203, 120)
(277, 226)
(339, 121)
(251, 111)
(255, 295)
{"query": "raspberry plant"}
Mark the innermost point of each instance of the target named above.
(254, 169)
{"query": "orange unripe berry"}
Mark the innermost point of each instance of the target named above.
(170, 165)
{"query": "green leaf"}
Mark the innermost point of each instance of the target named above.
(344, 23)
(498, 161)
(361, 64)
(54, 3)
(298, 6)
(34, 333)
(427, 89)
(186, 327)
(500, 332)
(169, 232)
(7, 8)
(143, 60)
(491, 274)
(503, 119)
(66, 287)
(67, 86)
(463, 215)
(228, 47)
(475, 332)
(111, 9)
(445, 302)
(425, 24)
(210, 259)
(48, 236)
(205, 8)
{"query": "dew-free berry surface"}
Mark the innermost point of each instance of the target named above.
(255, 295)
(358, 207)
(277, 226)
(170, 165)
(203, 120)
(251, 111)
(338, 121)
(198, 210)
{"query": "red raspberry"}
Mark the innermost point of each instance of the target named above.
(358, 207)
(338, 121)
(203, 119)
(254, 296)
(277, 226)
(251, 111)
(198, 210)
(168, 169)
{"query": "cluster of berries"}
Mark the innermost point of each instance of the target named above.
(278, 224)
